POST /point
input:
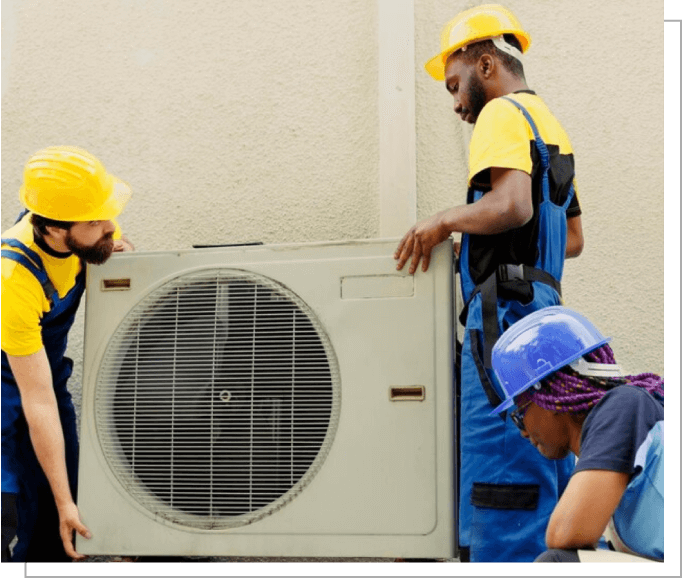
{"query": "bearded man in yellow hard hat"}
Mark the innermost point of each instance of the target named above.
(521, 220)
(71, 201)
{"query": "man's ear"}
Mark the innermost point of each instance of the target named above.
(486, 65)
(57, 233)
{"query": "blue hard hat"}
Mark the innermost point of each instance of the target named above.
(538, 345)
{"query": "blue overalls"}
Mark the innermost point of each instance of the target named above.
(507, 488)
(24, 484)
(637, 522)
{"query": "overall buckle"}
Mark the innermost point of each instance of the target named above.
(509, 272)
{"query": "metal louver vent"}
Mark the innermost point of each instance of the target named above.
(217, 398)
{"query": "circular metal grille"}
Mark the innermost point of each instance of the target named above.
(217, 398)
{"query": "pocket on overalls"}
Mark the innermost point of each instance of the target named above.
(504, 520)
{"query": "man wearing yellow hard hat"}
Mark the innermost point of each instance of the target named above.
(521, 220)
(71, 201)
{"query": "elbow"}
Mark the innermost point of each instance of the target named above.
(513, 213)
(562, 537)
(555, 535)
(574, 237)
(519, 213)
(555, 539)
(574, 247)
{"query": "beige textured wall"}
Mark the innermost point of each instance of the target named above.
(238, 120)
(226, 116)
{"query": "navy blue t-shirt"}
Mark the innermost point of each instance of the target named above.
(616, 428)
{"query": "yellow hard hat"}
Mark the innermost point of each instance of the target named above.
(67, 183)
(473, 25)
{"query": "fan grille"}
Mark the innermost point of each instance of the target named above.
(217, 398)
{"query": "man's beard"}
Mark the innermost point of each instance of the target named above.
(476, 97)
(95, 254)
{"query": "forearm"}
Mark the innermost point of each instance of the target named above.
(581, 516)
(38, 401)
(488, 216)
(48, 443)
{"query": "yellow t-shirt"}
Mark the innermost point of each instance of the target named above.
(23, 299)
(502, 136)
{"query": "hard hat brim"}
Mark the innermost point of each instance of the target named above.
(114, 205)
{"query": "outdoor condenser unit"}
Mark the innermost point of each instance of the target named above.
(281, 400)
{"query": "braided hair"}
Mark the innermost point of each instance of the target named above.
(567, 391)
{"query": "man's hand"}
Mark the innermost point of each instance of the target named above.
(69, 521)
(419, 241)
(123, 244)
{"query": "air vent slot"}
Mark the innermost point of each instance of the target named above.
(407, 393)
(115, 284)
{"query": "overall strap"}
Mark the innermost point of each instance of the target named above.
(541, 146)
(31, 261)
(569, 197)
(30, 253)
(21, 215)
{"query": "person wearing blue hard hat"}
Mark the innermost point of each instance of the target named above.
(558, 370)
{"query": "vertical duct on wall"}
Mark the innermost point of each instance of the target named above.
(397, 127)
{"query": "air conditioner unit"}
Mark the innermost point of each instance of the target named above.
(281, 400)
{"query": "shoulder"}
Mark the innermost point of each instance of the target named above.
(616, 427)
(501, 138)
(550, 129)
(499, 115)
(20, 288)
(624, 398)
(624, 407)
(22, 232)
(23, 305)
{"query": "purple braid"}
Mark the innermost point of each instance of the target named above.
(568, 391)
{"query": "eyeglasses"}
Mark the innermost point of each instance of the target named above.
(517, 415)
